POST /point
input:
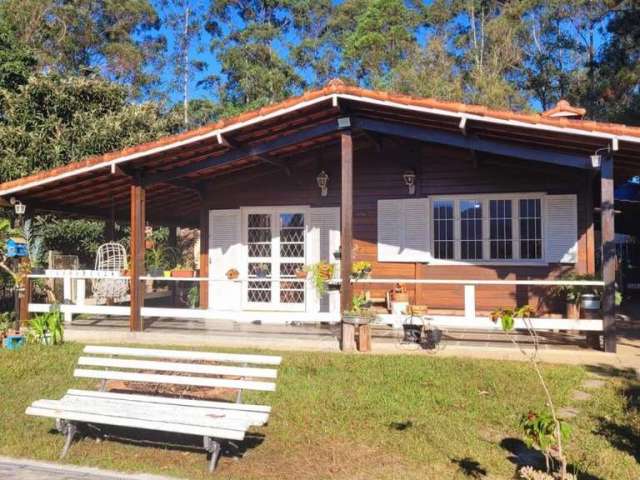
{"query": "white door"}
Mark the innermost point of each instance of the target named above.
(225, 253)
(275, 248)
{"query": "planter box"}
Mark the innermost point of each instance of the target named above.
(14, 342)
(182, 273)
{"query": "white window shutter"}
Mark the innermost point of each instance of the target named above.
(324, 240)
(403, 230)
(561, 228)
(225, 252)
(416, 230)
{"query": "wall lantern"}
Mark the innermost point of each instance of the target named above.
(410, 181)
(19, 207)
(323, 181)
(596, 158)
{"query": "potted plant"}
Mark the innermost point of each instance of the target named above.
(156, 260)
(337, 254)
(301, 273)
(577, 297)
(321, 273)
(360, 312)
(5, 325)
(360, 270)
(47, 328)
(182, 271)
(232, 274)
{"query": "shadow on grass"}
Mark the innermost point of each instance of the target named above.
(521, 456)
(609, 371)
(469, 467)
(164, 440)
(625, 436)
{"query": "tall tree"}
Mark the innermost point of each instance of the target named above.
(184, 21)
(113, 37)
(249, 39)
(17, 62)
(375, 36)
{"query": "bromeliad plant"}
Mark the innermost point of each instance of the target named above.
(542, 429)
(360, 270)
(47, 328)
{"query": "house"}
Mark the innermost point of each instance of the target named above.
(473, 208)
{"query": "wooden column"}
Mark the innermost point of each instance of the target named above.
(136, 269)
(346, 229)
(204, 256)
(608, 253)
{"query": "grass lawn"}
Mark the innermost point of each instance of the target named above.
(353, 417)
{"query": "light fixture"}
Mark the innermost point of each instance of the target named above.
(19, 207)
(323, 181)
(596, 158)
(410, 181)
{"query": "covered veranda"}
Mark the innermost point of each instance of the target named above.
(167, 181)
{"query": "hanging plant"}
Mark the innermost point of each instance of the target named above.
(321, 273)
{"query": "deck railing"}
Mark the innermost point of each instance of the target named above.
(74, 301)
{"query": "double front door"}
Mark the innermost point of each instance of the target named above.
(275, 243)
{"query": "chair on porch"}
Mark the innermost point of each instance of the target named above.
(110, 257)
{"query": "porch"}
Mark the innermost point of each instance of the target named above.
(468, 222)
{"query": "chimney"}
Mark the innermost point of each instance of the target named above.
(563, 109)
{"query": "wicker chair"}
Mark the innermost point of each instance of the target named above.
(111, 257)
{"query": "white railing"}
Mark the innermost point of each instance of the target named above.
(75, 304)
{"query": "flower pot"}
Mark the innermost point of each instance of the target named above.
(590, 301)
(166, 274)
(301, 274)
(417, 310)
(355, 319)
(149, 244)
(182, 273)
(155, 272)
(232, 274)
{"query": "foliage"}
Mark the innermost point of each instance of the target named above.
(6, 320)
(16, 273)
(321, 273)
(539, 430)
(537, 426)
(193, 296)
(114, 38)
(160, 257)
(573, 293)
(361, 307)
(17, 62)
(360, 269)
(47, 328)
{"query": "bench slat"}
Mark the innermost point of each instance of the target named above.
(255, 418)
(160, 413)
(171, 400)
(179, 367)
(175, 379)
(136, 423)
(184, 355)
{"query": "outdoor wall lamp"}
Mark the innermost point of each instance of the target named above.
(19, 207)
(323, 182)
(410, 181)
(596, 158)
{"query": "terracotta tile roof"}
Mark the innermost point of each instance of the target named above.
(334, 87)
(564, 109)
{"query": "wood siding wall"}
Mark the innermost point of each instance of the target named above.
(378, 175)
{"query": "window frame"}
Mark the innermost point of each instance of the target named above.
(484, 199)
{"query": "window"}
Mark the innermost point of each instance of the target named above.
(530, 229)
(477, 228)
(501, 229)
(470, 230)
(443, 244)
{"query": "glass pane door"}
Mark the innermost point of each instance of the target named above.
(275, 251)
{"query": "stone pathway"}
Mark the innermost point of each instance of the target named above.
(19, 469)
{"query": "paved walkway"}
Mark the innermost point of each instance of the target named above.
(19, 469)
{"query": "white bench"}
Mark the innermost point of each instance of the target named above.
(215, 421)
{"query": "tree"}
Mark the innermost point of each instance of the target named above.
(113, 37)
(184, 20)
(375, 36)
(52, 121)
(17, 62)
(249, 37)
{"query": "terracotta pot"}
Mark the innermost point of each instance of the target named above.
(573, 311)
(418, 310)
(232, 274)
(182, 273)
(301, 274)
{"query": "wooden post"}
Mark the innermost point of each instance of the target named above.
(24, 298)
(204, 256)
(136, 269)
(608, 254)
(346, 230)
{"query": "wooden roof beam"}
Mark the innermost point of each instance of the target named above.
(260, 149)
(472, 143)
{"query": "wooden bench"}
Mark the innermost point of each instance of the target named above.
(215, 421)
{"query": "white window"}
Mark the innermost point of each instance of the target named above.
(488, 228)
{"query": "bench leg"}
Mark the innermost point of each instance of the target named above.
(70, 430)
(214, 448)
